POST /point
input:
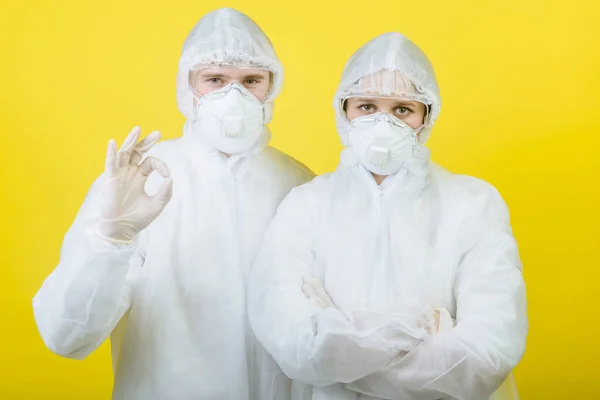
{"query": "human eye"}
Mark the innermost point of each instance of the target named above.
(214, 80)
(402, 110)
(368, 108)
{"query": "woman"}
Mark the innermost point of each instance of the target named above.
(391, 278)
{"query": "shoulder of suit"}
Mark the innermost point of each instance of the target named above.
(286, 161)
(461, 187)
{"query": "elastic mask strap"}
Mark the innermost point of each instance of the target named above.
(417, 145)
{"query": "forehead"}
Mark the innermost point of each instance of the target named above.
(233, 73)
(387, 83)
(383, 101)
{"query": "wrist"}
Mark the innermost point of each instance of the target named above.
(114, 232)
(111, 237)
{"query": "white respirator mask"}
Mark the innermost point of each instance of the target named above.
(231, 119)
(382, 142)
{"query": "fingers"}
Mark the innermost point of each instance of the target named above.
(145, 144)
(318, 287)
(125, 151)
(310, 294)
(435, 326)
(110, 164)
(316, 283)
(165, 191)
(308, 291)
(132, 152)
(154, 164)
(164, 194)
(142, 147)
(313, 289)
(320, 292)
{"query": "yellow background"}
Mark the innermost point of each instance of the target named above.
(520, 82)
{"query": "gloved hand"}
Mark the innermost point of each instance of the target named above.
(313, 289)
(443, 321)
(126, 208)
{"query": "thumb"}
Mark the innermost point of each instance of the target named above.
(164, 194)
(320, 291)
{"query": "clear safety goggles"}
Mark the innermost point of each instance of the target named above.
(386, 83)
(406, 97)
(200, 87)
(393, 119)
(222, 92)
(369, 121)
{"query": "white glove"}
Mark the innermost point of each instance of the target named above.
(444, 321)
(313, 289)
(126, 208)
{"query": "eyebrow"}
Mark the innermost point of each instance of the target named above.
(254, 76)
(212, 75)
(398, 101)
(363, 100)
(221, 76)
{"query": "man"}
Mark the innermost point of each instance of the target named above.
(164, 274)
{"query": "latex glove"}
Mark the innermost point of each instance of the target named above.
(436, 322)
(443, 321)
(313, 289)
(126, 208)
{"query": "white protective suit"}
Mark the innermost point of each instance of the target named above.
(387, 256)
(174, 301)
